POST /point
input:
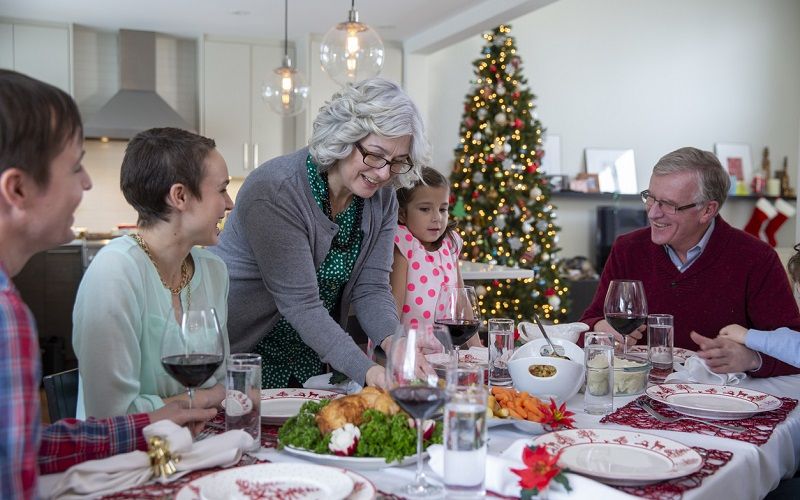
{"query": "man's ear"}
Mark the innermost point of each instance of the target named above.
(709, 211)
(16, 187)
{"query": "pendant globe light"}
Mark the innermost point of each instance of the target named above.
(351, 51)
(286, 91)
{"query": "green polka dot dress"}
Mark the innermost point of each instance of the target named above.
(284, 354)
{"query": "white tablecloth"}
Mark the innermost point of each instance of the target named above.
(751, 474)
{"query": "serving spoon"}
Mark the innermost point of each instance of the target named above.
(550, 350)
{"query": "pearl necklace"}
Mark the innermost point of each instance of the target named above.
(185, 276)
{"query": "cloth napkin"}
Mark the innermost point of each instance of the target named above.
(97, 478)
(323, 382)
(696, 370)
(500, 479)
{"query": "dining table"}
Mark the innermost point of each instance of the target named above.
(737, 468)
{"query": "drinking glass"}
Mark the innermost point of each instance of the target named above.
(625, 308)
(415, 386)
(660, 339)
(243, 395)
(192, 352)
(598, 349)
(501, 347)
(457, 309)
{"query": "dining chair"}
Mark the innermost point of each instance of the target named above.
(62, 394)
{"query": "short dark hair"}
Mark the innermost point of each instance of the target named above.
(155, 160)
(37, 121)
(433, 178)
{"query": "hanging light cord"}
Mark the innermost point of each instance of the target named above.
(286, 27)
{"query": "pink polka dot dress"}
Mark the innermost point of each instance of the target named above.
(427, 271)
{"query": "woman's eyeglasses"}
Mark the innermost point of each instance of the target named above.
(376, 161)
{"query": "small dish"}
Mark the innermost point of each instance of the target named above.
(630, 375)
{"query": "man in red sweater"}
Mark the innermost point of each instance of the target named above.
(701, 270)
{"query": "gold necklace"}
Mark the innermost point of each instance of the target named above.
(185, 277)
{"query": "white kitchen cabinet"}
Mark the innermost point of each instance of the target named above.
(39, 51)
(246, 132)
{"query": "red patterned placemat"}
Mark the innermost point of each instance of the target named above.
(759, 427)
(674, 489)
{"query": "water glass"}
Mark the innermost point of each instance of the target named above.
(243, 395)
(501, 347)
(660, 339)
(599, 360)
(465, 431)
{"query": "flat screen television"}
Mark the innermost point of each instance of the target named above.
(612, 222)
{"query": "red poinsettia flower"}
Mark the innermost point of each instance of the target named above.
(557, 416)
(540, 468)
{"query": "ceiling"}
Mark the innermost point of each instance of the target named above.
(396, 20)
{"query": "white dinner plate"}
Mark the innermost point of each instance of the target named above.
(622, 458)
(526, 426)
(717, 402)
(359, 463)
(278, 405)
(679, 354)
(306, 481)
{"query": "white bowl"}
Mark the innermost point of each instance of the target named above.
(566, 331)
(533, 348)
(562, 386)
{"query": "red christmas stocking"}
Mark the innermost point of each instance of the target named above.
(785, 210)
(762, 212)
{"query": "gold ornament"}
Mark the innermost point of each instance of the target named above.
(162, 460)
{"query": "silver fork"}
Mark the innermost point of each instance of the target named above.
(663, 418)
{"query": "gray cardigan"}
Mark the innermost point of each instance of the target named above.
(274, 241)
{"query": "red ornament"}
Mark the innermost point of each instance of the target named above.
(452, 199)
(518, 123)
(490, 158)
(495, 282)
(490, 231)
(549, 292)
(515, 95)
(475, 194)
(493, 68)
(531, 169)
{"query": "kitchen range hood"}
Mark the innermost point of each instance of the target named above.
(137, 106)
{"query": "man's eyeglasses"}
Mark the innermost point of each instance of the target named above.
(377, 161)
(666, 206)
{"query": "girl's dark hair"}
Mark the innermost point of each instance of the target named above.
(793, 266)
(429, 177)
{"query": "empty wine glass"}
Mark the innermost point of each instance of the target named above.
(192, 352)
(625, 308)
(415, 386)
(457, 309)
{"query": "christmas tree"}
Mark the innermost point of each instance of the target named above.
(501, 199)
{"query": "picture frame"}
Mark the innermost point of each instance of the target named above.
(551, 161)
(585, 183)
(736, 159)
(615, 169)
(557, 182)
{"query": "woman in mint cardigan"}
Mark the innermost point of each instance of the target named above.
(177, 182)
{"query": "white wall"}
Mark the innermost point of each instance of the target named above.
(648, 75)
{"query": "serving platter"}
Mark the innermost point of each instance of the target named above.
(621, 458)
(358, 463)
(273, 480)
(716, 402)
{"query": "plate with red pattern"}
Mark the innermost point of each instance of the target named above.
(618, 457)
(679, 354)
(278, 405)
(279, 480)
(717, 402)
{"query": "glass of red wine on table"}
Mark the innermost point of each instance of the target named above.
(457, 309)
(192, 351)
(625, 308)
(416, 387)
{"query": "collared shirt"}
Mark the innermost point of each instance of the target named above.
(63, 444)
(693, 252)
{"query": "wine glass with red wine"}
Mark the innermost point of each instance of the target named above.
(192, 353)
(457, 309)
(415, 386)
(625, 308)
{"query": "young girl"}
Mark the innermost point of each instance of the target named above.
(783, 343)
(426, 249)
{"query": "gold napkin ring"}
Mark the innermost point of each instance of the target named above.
(162, 460)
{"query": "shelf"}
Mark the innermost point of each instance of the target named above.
(635, 197)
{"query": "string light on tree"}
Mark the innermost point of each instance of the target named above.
(502, 202)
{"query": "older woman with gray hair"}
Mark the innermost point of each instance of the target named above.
(311, 238)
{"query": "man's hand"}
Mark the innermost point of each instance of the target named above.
(723, 355)
(631, 339)
(736, 333)
(179, 412)
(376, 376)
